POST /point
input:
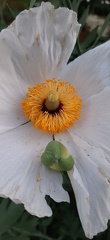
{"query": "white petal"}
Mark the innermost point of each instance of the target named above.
(41, 41)
(11, 93)
(94, 123)
(82, 198)
(22, 176)
(90, 185)
(90, 72)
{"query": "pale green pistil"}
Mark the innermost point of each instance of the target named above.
(52, 101)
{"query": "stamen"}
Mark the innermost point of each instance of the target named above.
(52, 106)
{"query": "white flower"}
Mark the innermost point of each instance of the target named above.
(36, 47)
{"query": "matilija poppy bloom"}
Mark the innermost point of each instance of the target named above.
(42, 99)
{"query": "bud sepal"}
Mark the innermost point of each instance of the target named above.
(57, 157)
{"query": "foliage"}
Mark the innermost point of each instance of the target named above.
(15, 222)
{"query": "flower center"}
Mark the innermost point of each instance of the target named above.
(52, 106)
(52, 100)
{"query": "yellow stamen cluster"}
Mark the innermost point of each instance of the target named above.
(46, 117)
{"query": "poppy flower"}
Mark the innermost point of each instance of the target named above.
(44, 100)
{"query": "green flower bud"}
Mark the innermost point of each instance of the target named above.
(57, 157)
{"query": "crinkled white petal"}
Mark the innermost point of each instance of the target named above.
(90, 73)
(11, 93)
(35, 47)
(90, 184)
(41, 40)
(22, 176)
(94, 123)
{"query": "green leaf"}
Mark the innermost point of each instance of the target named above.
(74, 3)
(8, 236)
(90, 39)
(83, 18)
(56, 3)
(32, 3)
(9, 214)
(14, 12)
(27, 224)
(2, 26)
(70, 4)
(77, 5)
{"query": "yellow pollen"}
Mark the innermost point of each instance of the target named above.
(52, 106)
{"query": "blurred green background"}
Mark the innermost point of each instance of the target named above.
(15, 222)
